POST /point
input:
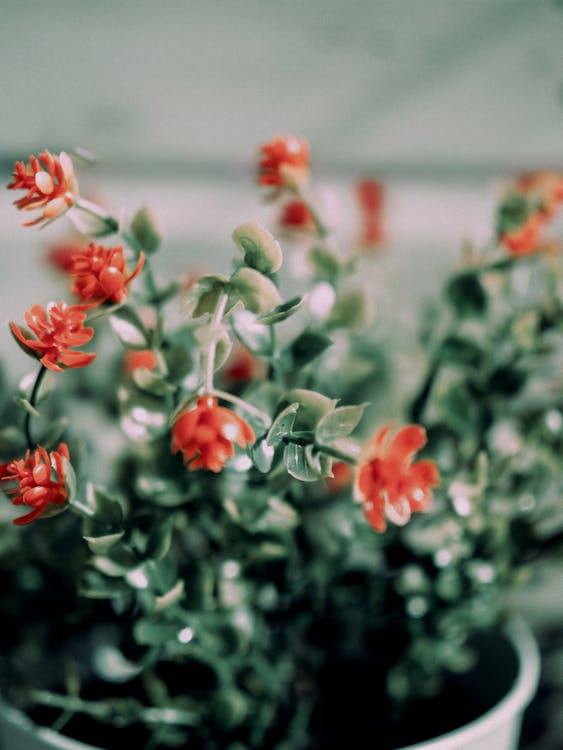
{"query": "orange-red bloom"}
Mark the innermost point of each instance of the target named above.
(49, 182)
(41, 482)
(241, 367)
(57, 328)
(296, 215)
(100, 273)
(206, 433)
(134, 359)
(527, 238)
(341, 477)
(284, 162)
(389, 484)
(547, 186)
(370, 195)
(61, 254)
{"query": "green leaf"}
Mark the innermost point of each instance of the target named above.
(298, 463)
(129, 328)
(339, 423)
(99, 545)
(150, 632)
(326, 265)
(151, 382)
(305, 348)
(507, 380)
(261, 250)
(160, 538)
(174, 595)
(467, 295)
(146, 231)
(282, 312)
(253, 334)
(70, 480)
(28, 335)
(461, 351)
(282, 425)
(525, 328)
(262, 455)
(95, 585)
(107, 510)
(143, 417)
(158, 490)
(54, 432)
(513, 211)
(202, 298)
(352, 309)
(46, 388)
(24, 404)
(257, 292)
(12, 441)
(312, 407)
(230, 707)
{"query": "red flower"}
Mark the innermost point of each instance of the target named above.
(142, 358)
(41, 482)
(50, 184)
(389, 484)
(284, 162)
(57, 328)
(100, 273)
(341, 477)
(526, 239)
(548, 186)
(370, 195)
(296, 215)
(61, 254)
(241, 367)
(205, 434)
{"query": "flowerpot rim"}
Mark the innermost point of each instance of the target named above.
(511, 705)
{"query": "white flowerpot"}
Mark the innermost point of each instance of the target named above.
(497, 729)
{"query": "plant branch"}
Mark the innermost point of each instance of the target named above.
(32, 400)
(212, 351)
(242, 404)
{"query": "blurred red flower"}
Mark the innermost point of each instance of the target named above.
(296, 215)
(370, 195)
(284, 162)
(527, 238)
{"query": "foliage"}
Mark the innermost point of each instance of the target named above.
(199, 587)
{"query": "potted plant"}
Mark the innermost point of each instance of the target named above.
(252, 560)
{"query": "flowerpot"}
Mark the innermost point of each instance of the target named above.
(498, 728)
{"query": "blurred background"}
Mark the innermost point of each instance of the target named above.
(438, 100)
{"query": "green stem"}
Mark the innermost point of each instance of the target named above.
(320, 226)
(250, 408)
(94, 210)
(32, 401)
(339, 455)
(81, 509)
(212, 351)
(115, 710)
(419, 403)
